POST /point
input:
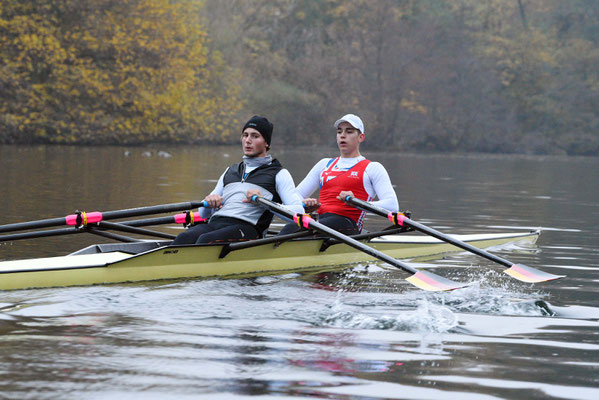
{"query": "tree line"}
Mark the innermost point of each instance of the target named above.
(425, 75)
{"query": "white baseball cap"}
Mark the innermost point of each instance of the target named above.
(353, 120)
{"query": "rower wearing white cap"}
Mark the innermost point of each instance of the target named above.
(350, 174)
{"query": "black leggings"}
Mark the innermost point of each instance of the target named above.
(219, 229)
(341, 224)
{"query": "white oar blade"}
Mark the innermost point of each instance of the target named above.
(530, 275)
(433, 283)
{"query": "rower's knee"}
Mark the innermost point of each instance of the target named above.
(186, 237)
(205, 238)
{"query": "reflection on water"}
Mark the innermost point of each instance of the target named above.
(362, 333)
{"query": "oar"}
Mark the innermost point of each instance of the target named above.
(519, 271)
(105, 225)
(83, 218)
(422, 279)
(187, 218)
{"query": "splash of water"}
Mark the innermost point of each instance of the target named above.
(425, 318)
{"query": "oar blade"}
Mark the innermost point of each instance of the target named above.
(433, 283)
(530, 275)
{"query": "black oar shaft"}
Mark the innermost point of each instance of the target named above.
(150, 221)
(441, 236)
(73, 230)
(430, 231)
(23, 226)
(111, 235)
(160, 209)
(131, 212)
(517, 271)
(40, 234)
(123, 225)
(361, 246)
(131, 229)
(184, 218)
(337, 235)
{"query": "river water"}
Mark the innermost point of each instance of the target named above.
(359, 334)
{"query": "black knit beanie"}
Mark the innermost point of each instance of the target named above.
(262, 125)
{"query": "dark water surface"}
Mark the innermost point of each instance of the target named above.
(362, 334)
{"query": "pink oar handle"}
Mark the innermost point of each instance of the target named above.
(188, 218)
(396, 218)
(302, 220)
(84, 218)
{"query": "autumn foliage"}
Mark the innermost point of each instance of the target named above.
(101, 71)
(425, 75)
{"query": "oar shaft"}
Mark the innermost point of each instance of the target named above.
(40, 234)
(172, 219)
(519, 271)
(458, 243)
(403, 220)
(132, 229)
(312, 224)
(23, 226)
(361, 246)
(160, 209)
(421, 279)
(111, 235)
(184, 218)
(131, 212)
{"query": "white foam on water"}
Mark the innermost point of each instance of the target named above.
(427, 317)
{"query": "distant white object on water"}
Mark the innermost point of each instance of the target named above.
(226, 155)
(164, 154)
(147, 154)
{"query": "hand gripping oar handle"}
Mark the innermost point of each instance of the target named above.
(83, 218)
(518, 271)
(422, 279)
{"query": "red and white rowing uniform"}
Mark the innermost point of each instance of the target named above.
(333, 181)
(366, 179)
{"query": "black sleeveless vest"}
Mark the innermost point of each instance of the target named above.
(263, 176)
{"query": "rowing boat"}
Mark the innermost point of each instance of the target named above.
(157, 260)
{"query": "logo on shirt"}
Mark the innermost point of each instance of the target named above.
(353, 174)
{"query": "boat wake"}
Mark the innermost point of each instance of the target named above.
(479, 298)
(427, 317)
(379, 301)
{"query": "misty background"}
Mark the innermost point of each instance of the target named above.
(499, 76)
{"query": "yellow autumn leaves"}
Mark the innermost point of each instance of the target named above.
(455, 75)
(104, 72)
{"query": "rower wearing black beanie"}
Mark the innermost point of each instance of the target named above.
(233, 217)
(262, 125)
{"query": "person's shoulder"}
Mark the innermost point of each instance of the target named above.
(324, 162)
(283, 177)
(283, 172)
(236, 167)
(375, 167)
(229, 168)
(374, 164)
(276, 163)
